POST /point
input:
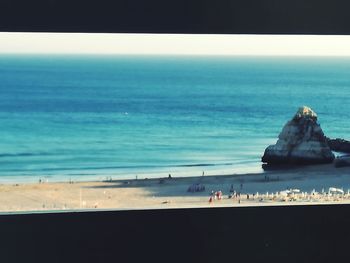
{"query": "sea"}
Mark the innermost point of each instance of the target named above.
(102, 117)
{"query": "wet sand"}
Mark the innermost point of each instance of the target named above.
(172, 192)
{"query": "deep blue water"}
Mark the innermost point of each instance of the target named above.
(85, 117)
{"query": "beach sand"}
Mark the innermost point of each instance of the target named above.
(172, 192)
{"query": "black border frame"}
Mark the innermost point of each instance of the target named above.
(180, 16)
(315, 233)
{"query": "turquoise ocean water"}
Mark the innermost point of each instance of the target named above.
(92, 117)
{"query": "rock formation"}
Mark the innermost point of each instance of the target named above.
(339, 145)
(342, 161)
(301, 142)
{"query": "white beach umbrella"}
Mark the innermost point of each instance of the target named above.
(334, 190)
(285, 193)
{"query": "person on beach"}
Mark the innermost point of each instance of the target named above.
(231, 189)
(219, 195)
(203, 173)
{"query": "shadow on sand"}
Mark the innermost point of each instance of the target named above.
(177, 187)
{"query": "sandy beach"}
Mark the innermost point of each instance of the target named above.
(262, 188)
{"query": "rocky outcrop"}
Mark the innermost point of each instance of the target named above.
(301, 142)
(339, 145)
(342, 161)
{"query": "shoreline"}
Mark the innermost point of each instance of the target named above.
(141, 173)
(163, 192)
(283, 169)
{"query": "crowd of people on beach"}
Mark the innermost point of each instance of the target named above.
(289, 195)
